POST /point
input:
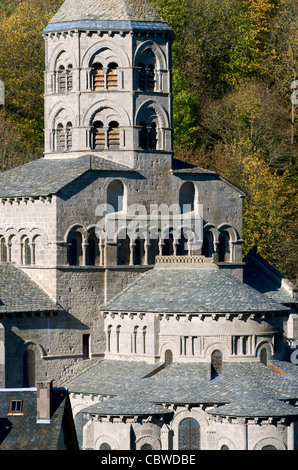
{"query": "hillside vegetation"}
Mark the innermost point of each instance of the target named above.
(233, 65)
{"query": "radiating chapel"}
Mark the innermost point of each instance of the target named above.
(165, 337)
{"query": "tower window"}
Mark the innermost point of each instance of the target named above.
(69, 80)
(98, 135)
(152, 136)
(60, 137)
(61, 79)
(112, 77)
(143, 136)
(113, 135)
(69, 136)
(98, 77)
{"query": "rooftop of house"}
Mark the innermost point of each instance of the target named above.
(244, 389)
(21, 431)
(19, 293)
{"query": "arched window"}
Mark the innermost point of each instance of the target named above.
(3, 250)
(142, 77)
(115, 195)
(60, 137)
(150, 77)
(113, 135)
(224, 447)
(182, 247)
(146, 447)
(139, 251)
(207, 247)
(26, 255)
(61, 79)
(69, 78)
(109, 331)
(152, 136)
(147, 71)
(264, 356)
(75, 249)
(223, 247)
(93, 253)
(187, 197)
(144, 339)
(105, 446)
(153, 250)
(29, 366)
(168, 249)
(112, 77)
(123, 251)
(98, 77)
(168, 357)
(118, 338)
(68, 136)
(135, 339)
(143, 136)
(216, 364)
(269, 447)
(189, 434)
(99, 138)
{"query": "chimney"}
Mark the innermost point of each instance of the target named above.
(44, 401)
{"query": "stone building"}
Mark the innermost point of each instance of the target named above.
(122, 275)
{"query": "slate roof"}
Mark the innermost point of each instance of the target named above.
(22, 432)
(245, 389)
(107, 10)
(201, 290)
(47, 176)
(263, 277)
(19, 293)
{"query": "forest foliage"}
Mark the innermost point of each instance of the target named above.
(233, 65)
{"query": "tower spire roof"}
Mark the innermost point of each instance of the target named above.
(106, 10)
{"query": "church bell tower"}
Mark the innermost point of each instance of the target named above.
(108, 81)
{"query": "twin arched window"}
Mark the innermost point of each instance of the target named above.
(104, 138)
(65, 78)
(64, 137)
(105, 79)
(146, 68)
(148, 136)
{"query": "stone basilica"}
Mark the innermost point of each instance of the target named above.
(163, 341)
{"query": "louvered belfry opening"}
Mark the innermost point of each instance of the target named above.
(98, 77)
(112, 77)
(113, 135)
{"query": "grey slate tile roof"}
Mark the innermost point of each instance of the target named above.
(22, 432)
(19, 293)
(263, 277)
(125, 407)
(245, 389)
(190, 291)
(105, 10)
(47, 176)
